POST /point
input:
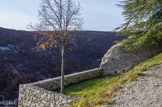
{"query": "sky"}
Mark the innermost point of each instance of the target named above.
(100, 15)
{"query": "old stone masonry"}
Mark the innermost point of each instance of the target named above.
(117, 60)
(40, 94)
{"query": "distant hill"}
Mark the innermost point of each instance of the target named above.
(21, 63)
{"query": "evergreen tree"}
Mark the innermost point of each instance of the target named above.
(143, 23)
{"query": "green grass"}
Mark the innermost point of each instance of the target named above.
(98, 91)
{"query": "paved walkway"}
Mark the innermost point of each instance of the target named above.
(147, 92)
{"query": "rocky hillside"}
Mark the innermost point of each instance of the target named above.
(21, 63)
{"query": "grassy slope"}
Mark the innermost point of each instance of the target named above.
(98, 91)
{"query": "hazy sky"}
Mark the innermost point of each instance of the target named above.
(101, 15)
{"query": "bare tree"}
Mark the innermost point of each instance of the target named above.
(58, 19)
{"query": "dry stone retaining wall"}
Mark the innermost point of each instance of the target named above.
(39, 94)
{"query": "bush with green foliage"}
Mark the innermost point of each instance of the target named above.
(143, 23)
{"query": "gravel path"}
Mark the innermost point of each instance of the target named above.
(146, 92)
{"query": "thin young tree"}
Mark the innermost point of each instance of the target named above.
(59, 20)
(143, 23)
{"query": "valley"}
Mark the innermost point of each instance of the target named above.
(21, 62)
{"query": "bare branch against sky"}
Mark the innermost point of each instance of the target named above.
(97, 14)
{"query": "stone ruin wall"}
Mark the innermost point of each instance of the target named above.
(117, 60)
(40, 94)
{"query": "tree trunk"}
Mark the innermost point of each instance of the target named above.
(62, 67)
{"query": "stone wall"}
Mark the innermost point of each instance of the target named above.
(33, 96)
(117, 60)
(40, 94)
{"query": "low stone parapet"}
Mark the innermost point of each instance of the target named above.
(40, 94)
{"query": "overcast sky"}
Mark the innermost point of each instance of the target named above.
(101, 15)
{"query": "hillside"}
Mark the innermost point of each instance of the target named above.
(21, 63)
